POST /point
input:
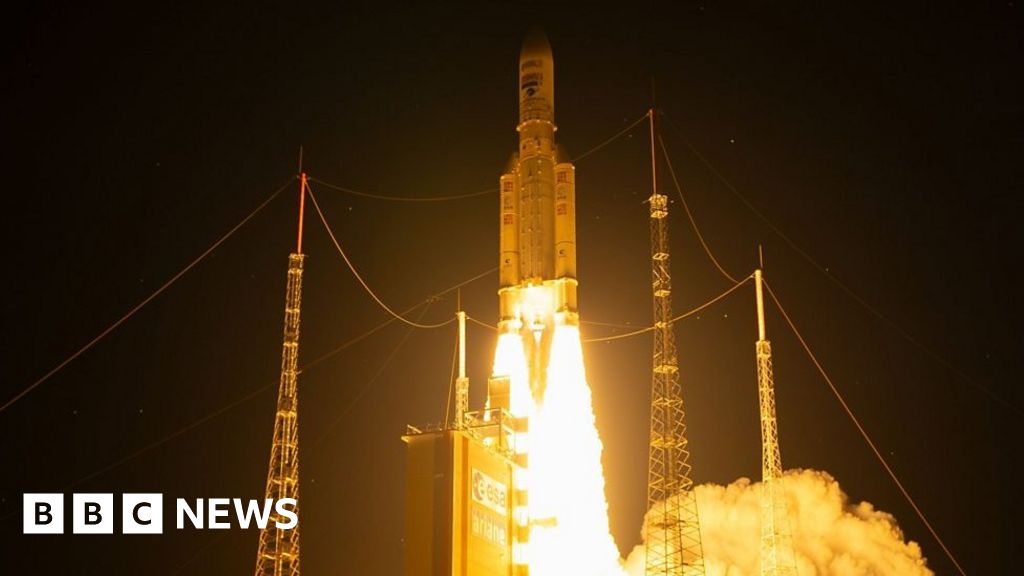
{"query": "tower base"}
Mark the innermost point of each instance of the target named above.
(460, 500)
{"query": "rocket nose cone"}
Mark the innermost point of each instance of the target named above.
(535, 44)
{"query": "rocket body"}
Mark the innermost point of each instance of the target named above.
(538, 218)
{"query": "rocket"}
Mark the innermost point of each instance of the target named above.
(537, 217)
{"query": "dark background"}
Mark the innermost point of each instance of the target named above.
(884, 141)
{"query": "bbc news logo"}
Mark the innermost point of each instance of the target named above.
(144, 513)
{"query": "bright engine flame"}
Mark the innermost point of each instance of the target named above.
(567, 506)
(567, 499)
(510, 360)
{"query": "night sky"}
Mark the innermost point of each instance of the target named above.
(885, 142)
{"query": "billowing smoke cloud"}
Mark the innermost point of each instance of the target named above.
(831, 536)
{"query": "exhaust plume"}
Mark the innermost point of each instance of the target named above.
(831, 535)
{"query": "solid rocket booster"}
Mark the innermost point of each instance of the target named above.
(538, 206)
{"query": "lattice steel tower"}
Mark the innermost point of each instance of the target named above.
(672, 545)
(278, 553)
(777, 557)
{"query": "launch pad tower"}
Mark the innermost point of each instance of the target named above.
(460, 502)
(672, 546)
(464, 513)
(278, 553)
(776, 541)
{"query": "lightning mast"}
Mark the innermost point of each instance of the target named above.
(462, 383)
(278, 553)
(673, 546)
(777, 557)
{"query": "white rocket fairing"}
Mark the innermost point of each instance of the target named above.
(538, 218)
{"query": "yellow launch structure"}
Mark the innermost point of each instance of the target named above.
(672, 545)
(459, 501)
(278, 553)
(463, 513)
(776, 541)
